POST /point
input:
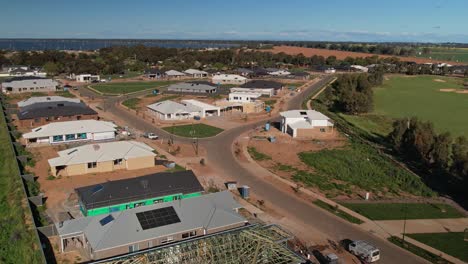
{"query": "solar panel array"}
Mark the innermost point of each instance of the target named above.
(106, 220)
(158, 217)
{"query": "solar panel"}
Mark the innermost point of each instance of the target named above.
(158, 217)
(106, 220)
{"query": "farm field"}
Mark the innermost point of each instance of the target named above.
(128, 87)
(398, 211)
(18, 242)
(452, 243)
(447, 54)
(430, 98)
(194, 131)
(341, 55)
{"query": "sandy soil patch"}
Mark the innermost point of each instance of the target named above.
(308, 52)
(439, 80)
(448, 90)
(462, 91)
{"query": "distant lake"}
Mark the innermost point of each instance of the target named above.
(94, 44)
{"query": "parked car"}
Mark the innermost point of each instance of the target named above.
(150, 135)
(364, 251)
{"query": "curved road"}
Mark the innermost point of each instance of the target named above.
(219, 153)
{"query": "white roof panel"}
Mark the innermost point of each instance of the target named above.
(71, 127)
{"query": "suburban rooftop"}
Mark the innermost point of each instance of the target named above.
(71, 127)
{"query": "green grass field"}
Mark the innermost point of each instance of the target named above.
(397, 211)
(130, 74)
(194, 131)
(338, 212)
(419, 96)
(447, 54)
(257, 155)
(358, 165)
(433, 258)
(128, 87)
(132, 103)
(451, 243)
(17, 239)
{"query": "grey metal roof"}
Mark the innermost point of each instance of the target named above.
(43, 99)
(171, 107)
(53, 109)
(262, 84)
(127, 190)
(210, 211)
(23, 78)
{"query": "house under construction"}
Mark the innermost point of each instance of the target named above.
(249, 244)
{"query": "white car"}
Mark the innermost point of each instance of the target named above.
(151, 136)
(364, 251)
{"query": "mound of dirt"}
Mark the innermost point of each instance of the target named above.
(462, 92)
(439, 80)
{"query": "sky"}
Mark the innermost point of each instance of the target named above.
(325, 20)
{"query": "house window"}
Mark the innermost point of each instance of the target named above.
(81, 136)
(36, 120)
(158, 201)
(189, 234)
(138, 204)
(57, 138)
(167, 240)
(118, 162)
(150, 244)
(133, 248)
(92, 165)
(70, 137)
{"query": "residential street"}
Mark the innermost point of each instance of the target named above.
(222, 158)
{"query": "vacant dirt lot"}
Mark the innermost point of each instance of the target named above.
(308, 52)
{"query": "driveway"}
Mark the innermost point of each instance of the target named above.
(220, 156)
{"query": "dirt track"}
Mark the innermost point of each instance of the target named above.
(308, 52)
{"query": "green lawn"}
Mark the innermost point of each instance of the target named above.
(396, 211)
(17, 239)
(338, 212)
(194, 131)
(448, 54)
(130, 74)
(128, 87)
(132, 103)
(451, 243)
(433, 258)
(419, 96)
(360, 165)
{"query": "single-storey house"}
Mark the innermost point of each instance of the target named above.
(170, 110)
(204, 109)
(301, 75)
(87, 78)
(359, 68)
(45, 99)
(29, 84)
(113, 196)
(228, 79)
(279, 73)
(264, 84)
(245, 72)
(262, 91)
(304, 123)
(173, 74)
(37, 114)
(145, 227)
(102, 157)
(196, 73)
(155, 74)
(72, 131)
(192, 87)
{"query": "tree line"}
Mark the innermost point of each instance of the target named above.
(439, 154)
(352, 93)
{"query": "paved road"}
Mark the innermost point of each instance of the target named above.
(219, 153)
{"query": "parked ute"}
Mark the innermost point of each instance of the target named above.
(364, 251)
(150, 136)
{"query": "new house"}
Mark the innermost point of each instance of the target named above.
(120, 195)
(38, 111)
(193, 87)
(102, 157)
(173, 74)
(72, 131)
(248, 101)
(196, 73)
(263, 85)
(155, 74)
(242, 97)
(262, 91)
(144, 227)
(204, 109)
(86, 78)
(228, 79)
(304, 123)
(29, 84)
(170, 110)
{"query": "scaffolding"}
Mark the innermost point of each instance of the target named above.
(251, 244)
